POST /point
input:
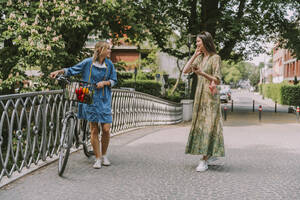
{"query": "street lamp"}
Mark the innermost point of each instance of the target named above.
(135, 73)
(166, 79)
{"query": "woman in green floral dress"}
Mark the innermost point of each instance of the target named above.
(206, 134)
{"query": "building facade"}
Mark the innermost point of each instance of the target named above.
(285, 66)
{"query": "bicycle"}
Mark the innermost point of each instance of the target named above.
(72, 91)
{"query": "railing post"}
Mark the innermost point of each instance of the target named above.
(253, 106)
(225, 113)
(44, 128)
(297, 113)
(275, 106)
(232, 105)
(259, 112)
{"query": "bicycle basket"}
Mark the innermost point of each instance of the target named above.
(79, 91)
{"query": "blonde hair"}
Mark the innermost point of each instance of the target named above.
(99, 47)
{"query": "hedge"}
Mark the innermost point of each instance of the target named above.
(290, 94)
(283, 93)
(122, 76)
(146, 86)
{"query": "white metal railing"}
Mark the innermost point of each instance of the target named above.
(30, 123)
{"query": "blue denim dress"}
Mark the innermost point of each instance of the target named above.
(100, 110)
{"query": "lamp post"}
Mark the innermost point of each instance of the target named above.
(189, 75)
(135, 73)
(166, 78)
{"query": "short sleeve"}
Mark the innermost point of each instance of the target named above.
(216, 65)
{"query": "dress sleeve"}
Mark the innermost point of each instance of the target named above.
(216, 65)
(76, 69)
(113, 76)
(196, 62)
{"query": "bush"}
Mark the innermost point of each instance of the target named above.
(146, 86)
(122, 76)
(179, 92)
(283, 93)
(145, 76)
(176, 97)
(272, 91)
(290, 94)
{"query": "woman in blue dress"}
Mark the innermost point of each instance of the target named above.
(99, 70)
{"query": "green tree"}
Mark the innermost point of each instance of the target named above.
(233, 72)
(240, 27)
(253, 74)
(51, 34)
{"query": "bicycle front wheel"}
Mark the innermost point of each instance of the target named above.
(86, 138)
(66, 143)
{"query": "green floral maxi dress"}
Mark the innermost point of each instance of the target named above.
(206, 134)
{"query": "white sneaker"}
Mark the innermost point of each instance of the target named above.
(105, 160)
(202, 166)
(97, 164)
(211, 160)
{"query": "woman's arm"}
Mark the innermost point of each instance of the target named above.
(113, 76)
(208, 77)
(76, 69)
(190, 64)
(216, 75)
(57, 72)
(112, 79)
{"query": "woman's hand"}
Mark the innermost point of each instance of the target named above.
(55, 73)
(100, 85)
(197, 71)
(213, 88)
(197, 52)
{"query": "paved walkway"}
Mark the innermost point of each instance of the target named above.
(244, 99)
(262, 162)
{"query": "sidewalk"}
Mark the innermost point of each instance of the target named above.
(262, 162)
(244, 98)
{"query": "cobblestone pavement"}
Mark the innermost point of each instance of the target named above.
(262, 162)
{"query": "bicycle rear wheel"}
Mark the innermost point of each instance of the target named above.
(66, 143)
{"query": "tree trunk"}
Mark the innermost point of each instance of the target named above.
(209, 16)
(178, 79)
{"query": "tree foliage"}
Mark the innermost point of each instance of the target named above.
(239, 27)
(232, 73)
(52, 34)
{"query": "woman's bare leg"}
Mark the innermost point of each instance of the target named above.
(95, 139)
(105, 137)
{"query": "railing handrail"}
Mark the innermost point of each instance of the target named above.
(151, 96)
(30, 94)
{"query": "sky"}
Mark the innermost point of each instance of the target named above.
(262, 57)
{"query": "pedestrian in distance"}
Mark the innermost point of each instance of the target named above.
(206, 133)
(100, 71)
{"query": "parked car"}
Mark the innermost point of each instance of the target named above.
(226, 89)
(224, 97)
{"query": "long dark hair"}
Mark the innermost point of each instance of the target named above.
(208, 42)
